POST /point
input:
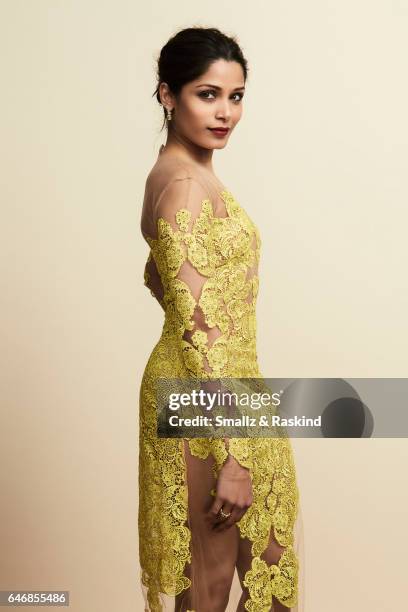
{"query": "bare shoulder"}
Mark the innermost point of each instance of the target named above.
(168, 170)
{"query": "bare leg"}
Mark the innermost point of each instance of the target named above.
(271, 555)
(214, 554)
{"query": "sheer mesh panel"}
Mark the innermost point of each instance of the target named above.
(203, 271)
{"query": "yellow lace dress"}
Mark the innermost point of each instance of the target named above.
(202, 269)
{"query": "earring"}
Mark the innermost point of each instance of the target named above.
(168, 117)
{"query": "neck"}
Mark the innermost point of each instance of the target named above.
(176, 145)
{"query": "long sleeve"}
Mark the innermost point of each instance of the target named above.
(152, 280)
(186, 256)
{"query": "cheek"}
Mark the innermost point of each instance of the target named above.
(198, 113)
(235, 118)
(237, 113)
(196, 108)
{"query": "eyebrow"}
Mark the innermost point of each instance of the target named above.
(217, 87)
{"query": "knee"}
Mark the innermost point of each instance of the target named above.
(273, 554)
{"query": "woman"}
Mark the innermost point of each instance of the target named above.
(209, 508)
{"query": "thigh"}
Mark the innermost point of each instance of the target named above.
(271, 555)
(213, 554)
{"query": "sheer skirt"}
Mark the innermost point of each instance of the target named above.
(220, 560)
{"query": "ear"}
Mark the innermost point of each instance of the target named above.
(166, 97)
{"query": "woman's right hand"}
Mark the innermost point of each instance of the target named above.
(233, 494)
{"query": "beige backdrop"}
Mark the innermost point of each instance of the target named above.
(323, 136)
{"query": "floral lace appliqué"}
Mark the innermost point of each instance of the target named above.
(225, 251)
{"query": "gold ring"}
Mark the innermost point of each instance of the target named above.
(224, 514)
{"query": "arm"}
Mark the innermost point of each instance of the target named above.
(186, 259)
(152, 280)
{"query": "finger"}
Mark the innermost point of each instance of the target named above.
(235, 517)
(241, 512)
(227, 509)
(227, 523)
(213, 512)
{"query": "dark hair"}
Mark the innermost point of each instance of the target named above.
(189, 54)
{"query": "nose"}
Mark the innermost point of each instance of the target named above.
(224, 109)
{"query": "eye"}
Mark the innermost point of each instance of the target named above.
(203, 94)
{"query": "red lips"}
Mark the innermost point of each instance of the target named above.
(219, 131)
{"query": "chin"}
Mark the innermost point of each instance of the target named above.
(217, 145)
(210, 146)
